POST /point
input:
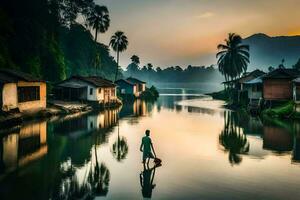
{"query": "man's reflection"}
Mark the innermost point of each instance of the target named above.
(146, 180)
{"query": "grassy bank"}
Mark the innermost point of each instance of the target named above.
(285, 111)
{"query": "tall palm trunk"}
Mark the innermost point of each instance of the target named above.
(96, 34)
(116, 75)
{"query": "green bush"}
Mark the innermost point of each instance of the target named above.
(286, 110)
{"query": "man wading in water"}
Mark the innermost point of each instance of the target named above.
(147, 148)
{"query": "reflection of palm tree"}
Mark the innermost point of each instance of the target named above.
(69, 187)
(120, 148)
(99, 178)
(232, 140)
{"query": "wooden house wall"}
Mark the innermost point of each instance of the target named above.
(277, 89)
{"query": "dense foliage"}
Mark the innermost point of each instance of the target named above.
(44, 38)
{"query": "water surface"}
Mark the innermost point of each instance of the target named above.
(208, 153)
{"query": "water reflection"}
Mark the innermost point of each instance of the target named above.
(233, 141)
(147, 180)
(120, 148)
(23, 145)
(84, 156)
(267, 136)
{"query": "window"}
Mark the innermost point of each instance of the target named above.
(28, 93)
(113, 92)
(91, 91)
(99, 90)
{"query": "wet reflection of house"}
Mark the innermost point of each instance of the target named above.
(296, 151)
(23, 146)
(136, 109)
(78, 126)
(277, 139)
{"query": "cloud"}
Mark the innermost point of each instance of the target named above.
(205, 15)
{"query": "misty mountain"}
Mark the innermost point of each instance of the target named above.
(268, 51)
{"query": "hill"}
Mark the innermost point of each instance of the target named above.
(268, 51)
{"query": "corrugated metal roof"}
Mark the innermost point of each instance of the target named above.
(297, 80)
(71, 85)
(255, 81)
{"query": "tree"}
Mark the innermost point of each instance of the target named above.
(133, 67)
(233, 57)
(99, 20)
(270, 68)
(297, 65)
(135, 59)
(281, 65)
(119, 43)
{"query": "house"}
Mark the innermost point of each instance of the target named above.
(238, 84)
(21, 91)
(125, 87)
(89, 88)
(296, 90)
(278, 84)
(254, 88)
(131, 86)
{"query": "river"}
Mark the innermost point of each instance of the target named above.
(207, 152)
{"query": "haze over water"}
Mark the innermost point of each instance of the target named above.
(208, 153)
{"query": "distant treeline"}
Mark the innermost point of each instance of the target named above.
(43, 37)
(174, 74)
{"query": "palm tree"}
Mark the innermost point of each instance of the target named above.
(133, 67)
(135, 59)
(233, 57)
(99, 20)
(119, 43)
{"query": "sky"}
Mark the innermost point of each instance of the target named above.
(186, 32)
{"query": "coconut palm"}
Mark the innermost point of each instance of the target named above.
(119, 43)
(133, 67)
(233, 57)
(135, 59)
(99, 20)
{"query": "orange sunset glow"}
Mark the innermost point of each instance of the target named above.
(187, 32)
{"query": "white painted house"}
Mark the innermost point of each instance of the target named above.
(91, 88)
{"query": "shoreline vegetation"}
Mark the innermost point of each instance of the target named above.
(284, 110)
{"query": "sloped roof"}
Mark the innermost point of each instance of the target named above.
(297, 80)
(256, 73)
(283, 73)
(134, 80)
(255, 81)
(125, 81)
(12, 76)
(93, 80)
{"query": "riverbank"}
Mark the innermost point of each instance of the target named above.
(54, 108)
(288, 110)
